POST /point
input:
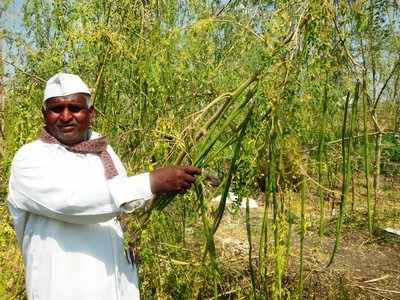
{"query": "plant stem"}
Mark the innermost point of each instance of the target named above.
(319, 159)
(221, 207)
(302, 233)
(366, 161)
(344, 183)
(228, 100)
(251, 268)
(345, 168)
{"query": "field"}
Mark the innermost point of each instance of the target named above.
(365, 268)
(295, 104)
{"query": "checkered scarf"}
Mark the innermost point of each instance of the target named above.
(96, 146)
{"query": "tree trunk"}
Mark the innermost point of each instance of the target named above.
(2, 105)
(377, 172)
(397, 104)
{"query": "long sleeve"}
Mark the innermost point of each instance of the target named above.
(132, 192)
(50, 181)
(63, 208)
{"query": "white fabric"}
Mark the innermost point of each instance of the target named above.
(64, 213)
(63, 84)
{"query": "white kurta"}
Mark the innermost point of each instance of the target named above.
(64, 212)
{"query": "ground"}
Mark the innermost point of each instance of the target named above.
(364, 268)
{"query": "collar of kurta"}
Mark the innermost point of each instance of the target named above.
(94, 146)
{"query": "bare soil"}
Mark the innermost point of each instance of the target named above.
(364, 267)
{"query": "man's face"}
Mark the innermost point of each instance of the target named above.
(68, 118)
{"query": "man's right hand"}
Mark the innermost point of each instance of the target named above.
(175, 179)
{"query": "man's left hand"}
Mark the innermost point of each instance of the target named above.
(175, 179)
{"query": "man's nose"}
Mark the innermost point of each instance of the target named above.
(66, 115)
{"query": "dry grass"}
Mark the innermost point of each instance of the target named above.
(364, 268)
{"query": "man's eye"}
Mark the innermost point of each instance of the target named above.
(75, 108)
(56, 109)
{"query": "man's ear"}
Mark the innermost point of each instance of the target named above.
(92, 112)
(44, 113)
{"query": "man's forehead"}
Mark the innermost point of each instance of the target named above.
(73, 98)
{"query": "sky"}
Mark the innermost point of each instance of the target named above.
(11, 20)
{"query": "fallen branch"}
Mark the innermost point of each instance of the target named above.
(177, 262)
(229, 292)
(376, 289)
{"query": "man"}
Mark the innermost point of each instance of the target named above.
(66, 190)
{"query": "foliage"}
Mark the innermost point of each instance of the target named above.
(161, 70)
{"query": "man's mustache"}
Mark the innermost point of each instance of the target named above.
(64, 124)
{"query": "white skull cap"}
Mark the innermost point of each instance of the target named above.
(63, 84)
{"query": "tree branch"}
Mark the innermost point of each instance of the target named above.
(386, 82)
(37, 78)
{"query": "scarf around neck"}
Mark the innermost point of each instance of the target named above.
(96, 146)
